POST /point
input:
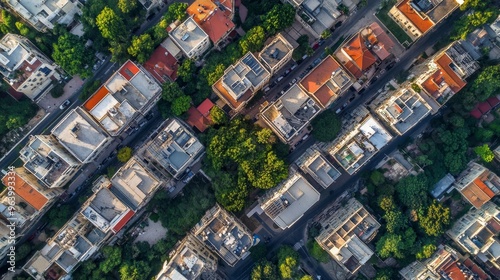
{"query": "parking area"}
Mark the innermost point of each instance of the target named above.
(49, 103)
(151, 233)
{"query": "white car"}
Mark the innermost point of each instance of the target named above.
(65, 104)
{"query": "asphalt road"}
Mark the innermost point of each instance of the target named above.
(295, 233)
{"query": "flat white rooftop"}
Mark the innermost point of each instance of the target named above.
(188, 35)
(80, 134)
(287, 203)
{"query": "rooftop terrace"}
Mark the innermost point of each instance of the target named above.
(287, 203)
(45, 160)
(174, 147)
(133, 184)
(356, 147)
(291, 113)
(273, 53)
(80, 134)
(403, 110)
(188, 35)
(214, 17)
(225, 233)
(116, 102)
(314, 163)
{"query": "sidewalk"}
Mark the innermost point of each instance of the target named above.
(49, 103)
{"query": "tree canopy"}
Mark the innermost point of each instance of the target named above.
(264, 270)
(412, 191)
(253, 41)
(326, 126)
(124, 154)
(435, 219)
(112, 258)
(181, 104)
(278, 18)
(110, 24)
(186, 70)
(288, 262)
(485, 153)
(239, 159)
(70, 53)
(176, 11)
(141, 48)
(218, 116)
(126, 6)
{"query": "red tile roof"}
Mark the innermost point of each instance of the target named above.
(476, 114)
(26, 70)
(214, 21)
(384, 42)
(476, 269)
(484, 107)
(162, 64)
(493, 101)
(96, 98)
(422, 24)
(205, 107)
(26, 191)
(359, 53)
(128, 70)
(353, 69)
(196, 119)
(118, 226)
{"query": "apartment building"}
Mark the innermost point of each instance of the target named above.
(134, 184)
(25, 68)
(417, 17)
(45, 158)
(44, 15)
(214, 17)
(190, 260)
(241, 81)
(345, 232)
(172, 148)
(314, 163)
(446, 74)
(75, 242)
(359, 141)
(287, 203)
(81, 135)
(4, 239)
(276, 54)
(401, 109)
(104, 210)
(477, 234)
(32, 199)
(190, 38)
(477, 184)
(290, 115)
(225, 234)
(444, 263)
(326, 82)
(128, 93)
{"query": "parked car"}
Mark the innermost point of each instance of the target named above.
(280, 78)
(293, 67)
(65, 104)
(287, 72)
(293, 81)
(268, 88)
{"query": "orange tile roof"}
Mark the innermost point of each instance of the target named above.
(324, 94)
(228, 98)
(452, 79)
(420, 23)
(96, 98)
(215, 22)
(128, 70)
(320, 75)
(484, 188)
(161, 64)
(477, 193)
(205, 107)
(26, 192)
(359, 53)
(353, 69)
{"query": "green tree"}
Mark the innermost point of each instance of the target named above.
(171, 91)
(377, 178)
(264, 270)
(186, 70)
(426, 251)
(487, 83)
(424, 160)
(386, 203)
(124, 154)
(384, 274)
(59, 216)
(23, 29)
(181, 104)
(435, 219)
(326, 126)
(412, 191)
(8, 22)
(134, 271)
(395, 221)
(266, 136)
(176, 11)
(215, 75)
(141, 48)
(278, 18)
(110, 24)
(253, 41)
(112, 258)
(70, 53)
(485, 153)
(306, 277)
(389, 245)
(126, 6)
(457, 121)
(258, 252)
(218, 116)
(317, 252)
(57, 91)
(288, 262)
(326, 34)
(23, 251)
